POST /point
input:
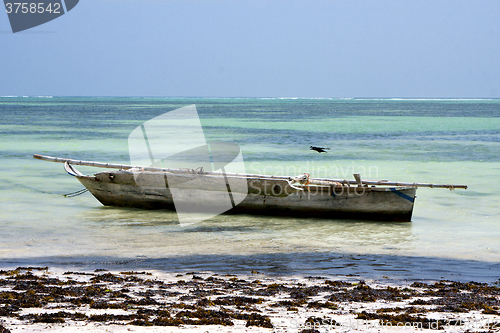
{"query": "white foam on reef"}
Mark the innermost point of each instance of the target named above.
(423, 99)
(11, 96)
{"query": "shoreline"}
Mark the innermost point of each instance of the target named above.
(55, 300)
(378, 267)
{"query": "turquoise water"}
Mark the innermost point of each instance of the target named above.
(453, 234)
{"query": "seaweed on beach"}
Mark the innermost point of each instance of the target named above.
(77, 273)
(446, 287)
(182, 305)
(135, 273)
(141, 301)
(108, 277)
(306, 292)
(4, 329)
(92, 291)
(364, 293)
(322, 305)
(222, 300)
(23, 269)
(108, 305)
(421, 302)
(166, 321)
(292, 303)
(408, 310)
(255, 319)
(206, 317)
(269, 290)
(141, 322)
(464, 297)
(9, 311)
(238, 301)
(55, 317)
(28, 299)
(313, 322)
(338, 285)
(81, 300)
(197, 293)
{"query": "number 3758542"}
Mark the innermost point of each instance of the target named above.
(32, 8)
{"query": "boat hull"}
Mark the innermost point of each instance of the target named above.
(273, 197)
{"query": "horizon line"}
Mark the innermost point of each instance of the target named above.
(242, 97)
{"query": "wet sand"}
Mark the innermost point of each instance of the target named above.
(37, 299)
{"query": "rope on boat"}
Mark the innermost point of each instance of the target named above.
(303, 181)
(293, 186)
(75, 194)
(197, 171)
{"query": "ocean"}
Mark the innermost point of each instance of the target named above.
(453, 235)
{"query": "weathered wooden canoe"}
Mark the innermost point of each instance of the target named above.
(119, 188)
(152, 188)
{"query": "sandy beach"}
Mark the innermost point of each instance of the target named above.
(36, 299)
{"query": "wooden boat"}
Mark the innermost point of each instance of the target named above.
(148, 187)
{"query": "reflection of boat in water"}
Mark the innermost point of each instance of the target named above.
(152, 188)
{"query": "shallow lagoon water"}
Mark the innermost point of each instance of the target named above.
(453, 234)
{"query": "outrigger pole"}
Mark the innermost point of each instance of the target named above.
(312, 181)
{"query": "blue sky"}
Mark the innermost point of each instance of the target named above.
(258, 48)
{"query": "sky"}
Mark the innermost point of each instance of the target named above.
(258, 48)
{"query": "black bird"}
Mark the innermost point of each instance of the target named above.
(319, 149)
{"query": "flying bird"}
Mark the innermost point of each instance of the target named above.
(319, 149)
